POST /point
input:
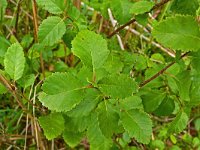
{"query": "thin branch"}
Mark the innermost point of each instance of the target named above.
(169, 52)
(160, 72)
(35, 21)
(121, 27)
(11, 89)
(114, 22)
(133, 20)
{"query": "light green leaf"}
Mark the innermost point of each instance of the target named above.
(91, 48)
(138, 124)
(27, 80)
(152, 99)
(178, 33)
(141, 7)
(96, 139)
(113, 64)
(14, 61)
(117, 86)
(179, 123)
(132, 102)
(52, 124)
(108, 119)
(120, 9)
(51, 30)
(62, 92)
(53, 6)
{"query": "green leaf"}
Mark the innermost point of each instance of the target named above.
(91, 48)
(184, 84)
(197, 124)
(62, 92)
(117, 86)
(71, 134)
(3, 5)
(167, 105)
(97, 140)
(120, 9)
(195, 92)
(113, 64)
(14, 61)
(77, 124)
(52, 124)
(152, 100)
(108, 118)
(4, 44)
(51, 30)
(195, 61)
(3, 89)
(72, 138)
(179, 123)
(178, 33)
(185, 7)
(132, 102)
(140, 63)
(27, 80)
(53, 6)
(88, 104)
(138, 124)
(141, 7)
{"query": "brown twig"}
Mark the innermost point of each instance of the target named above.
(133, 20)
(12, 89)
(35, 21)
(160, 72)
(17, 18)
(121, 27)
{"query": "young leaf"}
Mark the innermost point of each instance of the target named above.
(97, 140)
(179, 33)
(14, 61)
(117, 86)
(179, 123)
(51, 30)
(91, 48)
(141, 7)
(52, 124)
(53, 6)
(138, 124)
(108, 118)
(62, 92)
